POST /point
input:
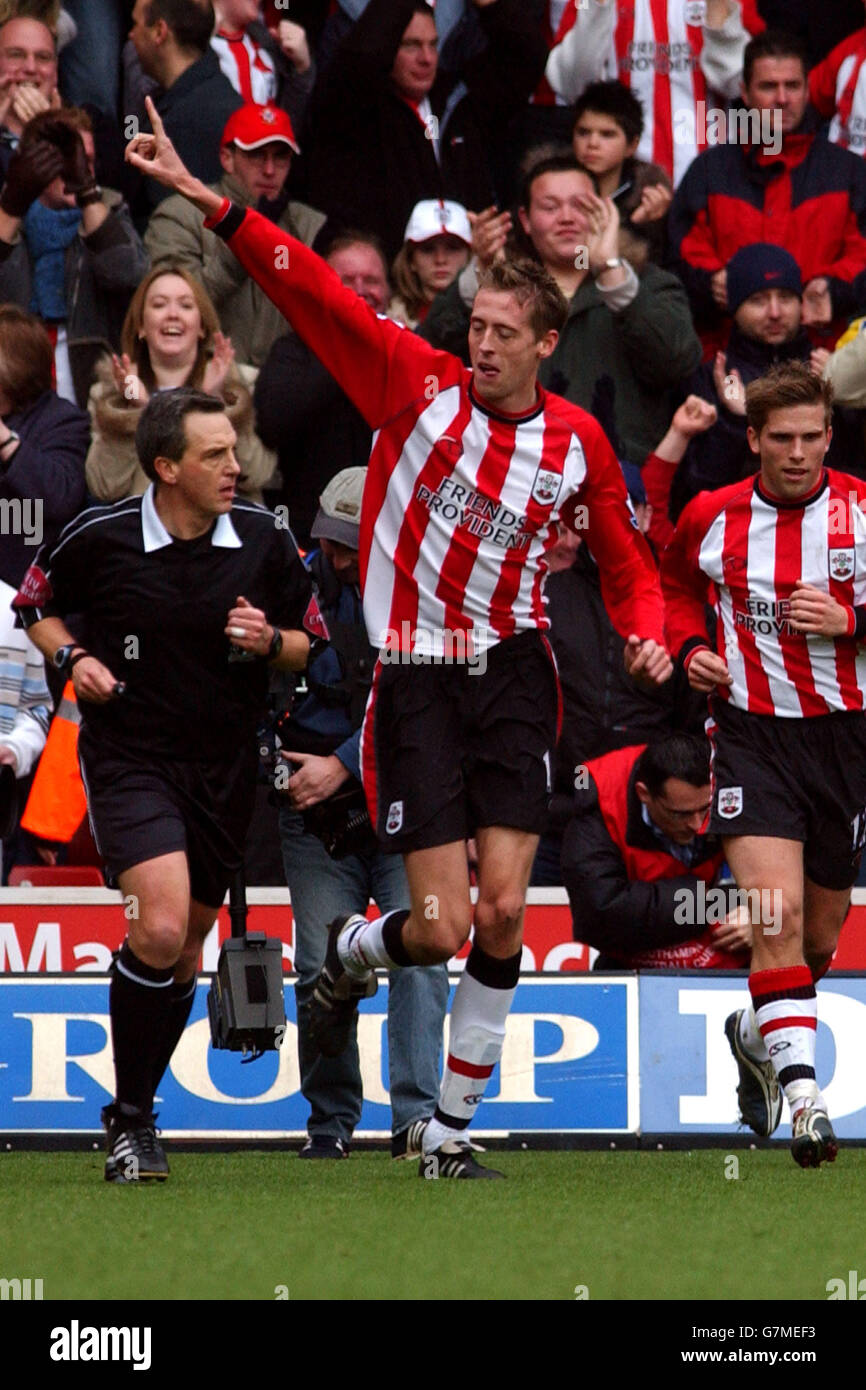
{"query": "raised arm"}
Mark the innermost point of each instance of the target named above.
(581, 57)
(382, 368)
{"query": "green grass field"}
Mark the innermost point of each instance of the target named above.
(643, 1225)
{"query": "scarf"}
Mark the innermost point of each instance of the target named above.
(48, 233)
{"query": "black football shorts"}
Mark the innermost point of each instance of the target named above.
(450, 749)
(140, 809)
(793, 779)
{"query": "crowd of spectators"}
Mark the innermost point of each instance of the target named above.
(691, 174)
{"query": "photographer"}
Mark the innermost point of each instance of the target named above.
(325, 803)
(189, 599)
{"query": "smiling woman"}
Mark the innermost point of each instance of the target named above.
(171, 337)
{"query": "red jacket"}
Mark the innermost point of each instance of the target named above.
(626, 890)
(810, 198)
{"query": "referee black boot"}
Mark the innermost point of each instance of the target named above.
(333, 1008)
(134, 1152)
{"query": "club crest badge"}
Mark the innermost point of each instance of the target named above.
(841, 563)
(730, 802)
(395, 817)
(546, 487)
(696, 11)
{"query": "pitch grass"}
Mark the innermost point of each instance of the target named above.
(642, 1225)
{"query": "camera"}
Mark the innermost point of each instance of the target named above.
(245, 1003)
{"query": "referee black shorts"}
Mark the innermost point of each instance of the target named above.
(450, 749)
(140, 810)
(793, 779)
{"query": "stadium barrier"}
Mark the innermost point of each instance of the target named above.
(616, 1059)
(76, 929)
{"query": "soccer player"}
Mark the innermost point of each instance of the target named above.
(469, 475)
(188, 598)
(785, 554)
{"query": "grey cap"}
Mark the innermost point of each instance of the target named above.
(339, 515)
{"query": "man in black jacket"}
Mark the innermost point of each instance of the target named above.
(172, 40)
(391, 129)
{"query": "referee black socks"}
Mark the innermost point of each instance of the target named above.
(181, 998)
(139, 1001)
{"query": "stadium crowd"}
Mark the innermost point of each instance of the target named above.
(691, 176)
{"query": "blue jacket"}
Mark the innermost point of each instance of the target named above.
(338, 680)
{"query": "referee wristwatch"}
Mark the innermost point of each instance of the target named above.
(276, 645)
(63, 658)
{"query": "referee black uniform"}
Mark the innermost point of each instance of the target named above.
(169, 761)
(171, 764)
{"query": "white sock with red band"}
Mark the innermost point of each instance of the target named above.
(786, 1009)
(478, 1017)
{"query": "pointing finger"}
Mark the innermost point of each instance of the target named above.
(155, 118)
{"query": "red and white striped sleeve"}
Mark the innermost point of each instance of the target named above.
(824, 76)
(381, 367)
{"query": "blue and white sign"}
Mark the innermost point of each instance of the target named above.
(569, 1064)
(688, 1077)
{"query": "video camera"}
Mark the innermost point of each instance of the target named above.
(245, 1002)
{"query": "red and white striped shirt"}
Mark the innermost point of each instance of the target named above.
(248, 67)
(837, 88)
(460, 503)
(664, 52)
(746, 552)
(660, 56)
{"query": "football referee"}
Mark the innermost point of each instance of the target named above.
(188, 598)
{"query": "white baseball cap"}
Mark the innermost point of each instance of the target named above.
(438, 217)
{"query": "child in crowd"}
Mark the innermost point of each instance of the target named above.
(608, 124)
